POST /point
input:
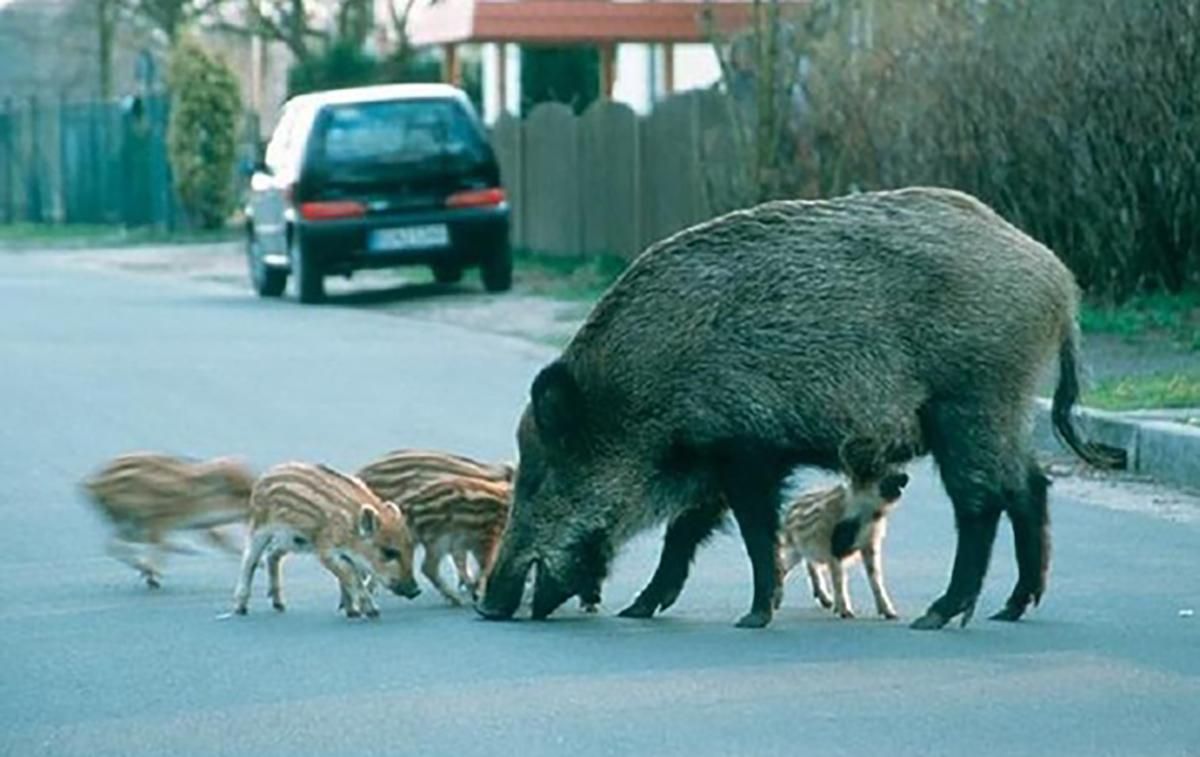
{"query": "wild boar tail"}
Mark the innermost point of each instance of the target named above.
(1065, 396)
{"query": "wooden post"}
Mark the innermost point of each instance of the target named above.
(607, 70)
(450, 66)
(502, 75)
(668, 68)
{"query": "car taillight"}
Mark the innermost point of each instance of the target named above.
(476, 198)
(331, 209)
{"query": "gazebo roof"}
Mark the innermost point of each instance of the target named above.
(435, 22)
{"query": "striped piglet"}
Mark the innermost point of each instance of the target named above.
(147, 497)
(359, 538)
(455, 507)
(830, 528)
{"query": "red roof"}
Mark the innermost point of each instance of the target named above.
(570, 21)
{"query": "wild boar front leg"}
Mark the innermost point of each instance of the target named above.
(684, 535)
(256, 544)
(751, 476)
(430, 567)
(466, 582)
(354, 595)
(275, 578)
(130, 553)
(816, 577)
(873, 562)
(841, 592)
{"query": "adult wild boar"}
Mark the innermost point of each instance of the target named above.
(764, 339)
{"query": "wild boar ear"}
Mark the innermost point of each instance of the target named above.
(891, 485)
(368, 521)
(557, 401)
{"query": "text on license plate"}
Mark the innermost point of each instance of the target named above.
(409, 238)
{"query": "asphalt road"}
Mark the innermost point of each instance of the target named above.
(92, 663)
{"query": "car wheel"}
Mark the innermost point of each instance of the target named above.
(310, 280)
(497, 269)
(268, 281)
(447, 274)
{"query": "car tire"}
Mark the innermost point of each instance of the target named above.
(497, 269)
(266, 280)
(447, 274)
(310, 279)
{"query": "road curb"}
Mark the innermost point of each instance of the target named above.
(1169, 452)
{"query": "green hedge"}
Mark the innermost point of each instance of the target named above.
(1078, 121)
(202, 134)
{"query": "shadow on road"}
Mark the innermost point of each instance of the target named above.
(391, 295)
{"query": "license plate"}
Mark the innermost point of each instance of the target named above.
(409, 238)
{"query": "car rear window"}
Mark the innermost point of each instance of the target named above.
(404, 131)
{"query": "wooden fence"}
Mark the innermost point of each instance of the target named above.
(610, 182)
(85, 163)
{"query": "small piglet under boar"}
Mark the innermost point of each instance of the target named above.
(358, 537)
(148, 496)
(830, 528)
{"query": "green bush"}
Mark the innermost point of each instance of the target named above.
(202, 134)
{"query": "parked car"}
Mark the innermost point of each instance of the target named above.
(376, 177)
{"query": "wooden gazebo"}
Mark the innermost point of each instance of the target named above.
(599, 23)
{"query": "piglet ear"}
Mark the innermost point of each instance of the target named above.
(861, 458)
(891, 485)
(368, 521)
(557, 402)
(394, 509)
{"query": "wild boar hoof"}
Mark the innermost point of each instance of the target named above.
(152, 581)
(278, 605)
(240, 610)
(755, 619)
(930, 621)
(639, 609)
(589, 607)
(352, 613)
(845, 614)
(889, 615)
(1010, 613)
(373, 613)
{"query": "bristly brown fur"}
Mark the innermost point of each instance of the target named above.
(758, 341)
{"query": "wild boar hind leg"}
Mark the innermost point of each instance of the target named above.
(973, 450)
(132, 554)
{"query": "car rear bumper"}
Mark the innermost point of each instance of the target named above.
(340, 246)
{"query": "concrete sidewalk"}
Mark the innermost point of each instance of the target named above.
(1162, 444)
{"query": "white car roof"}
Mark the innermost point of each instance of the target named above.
(378, 93)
